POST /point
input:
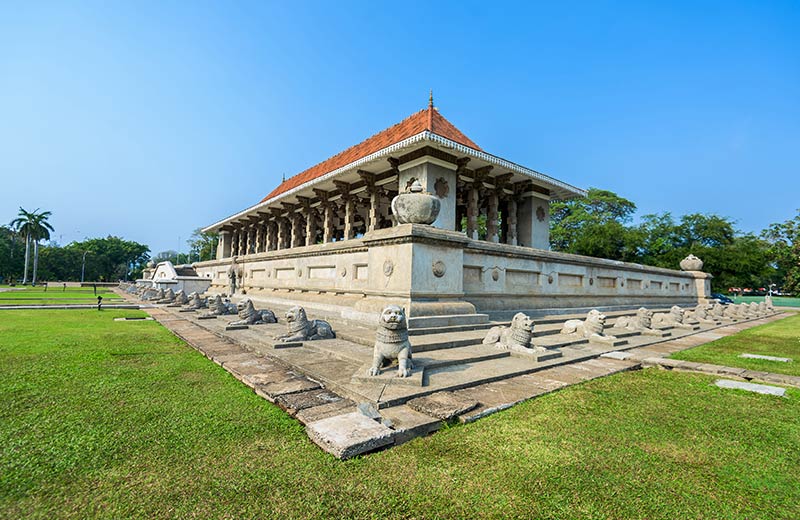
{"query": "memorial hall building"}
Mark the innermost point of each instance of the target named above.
(328, 237)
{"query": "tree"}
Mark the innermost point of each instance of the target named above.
(204, 245)
(784, 246)
(112, 258)
(594, 226)
(35, 227)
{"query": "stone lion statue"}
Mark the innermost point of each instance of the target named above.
(180, 299)
(391, 342)
(640, 322)
(702, 313)
(217, 307)
(196, 302)
(516, 337)
(248, 315)
(303, 329)
(169, 297)
(150, 293)
(674, 318)
(731, 312)
(590, 328)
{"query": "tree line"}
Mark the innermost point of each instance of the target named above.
(24, 259)
(600, 225)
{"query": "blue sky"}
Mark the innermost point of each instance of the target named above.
(148, 120)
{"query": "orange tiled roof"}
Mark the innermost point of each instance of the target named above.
(426, 119)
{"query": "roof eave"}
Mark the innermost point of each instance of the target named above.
(561, 190)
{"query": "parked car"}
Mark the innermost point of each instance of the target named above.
(721, 298)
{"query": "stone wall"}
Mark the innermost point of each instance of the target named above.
(433, 271)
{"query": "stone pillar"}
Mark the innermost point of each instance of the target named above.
(224, 244)
(259, 238)
(250, 240)
(242, 240)
(235, 242)
(511, 239)
(311, 226)
(492, 219)
(272, 236)
(533, 227)
(472, 213)
(348, 201)
(297, 230)
(349, 217)
(374, 192)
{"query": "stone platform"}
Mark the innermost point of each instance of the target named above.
(455, 376)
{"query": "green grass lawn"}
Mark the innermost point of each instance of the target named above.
(55, 296)
(780, 338)
(778, 301)
(122, 420)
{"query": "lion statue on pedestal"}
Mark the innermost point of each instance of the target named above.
(590, 328)
(248, 315)
(516, 337)
(640, 322)
(196, 302)
(169, 297)
(673, 318)
(702, 313)
(217, 307)
(391, 342)
(303, 329)
(180, 299)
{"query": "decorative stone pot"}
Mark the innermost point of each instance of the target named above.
(691, 263)
(416, 206)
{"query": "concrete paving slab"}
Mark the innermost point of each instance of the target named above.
(294, 385)
(766, 358)
(323, 411)
(442, 405)
(302, 400)
(348, 435)
(751, 387)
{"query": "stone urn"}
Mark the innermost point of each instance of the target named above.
(416, 206)
(691, 263)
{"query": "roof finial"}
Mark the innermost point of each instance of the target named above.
(430, 100)
(284, 177)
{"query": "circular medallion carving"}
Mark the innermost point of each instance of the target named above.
(591, 281)
(550, 278)
(495, 274)
(622, 283)
(540, 214)
(299, 273)
(388, 267)
(343, 271)
(439, 268)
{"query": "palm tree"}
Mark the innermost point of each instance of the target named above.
(35, 227)
(41, 231)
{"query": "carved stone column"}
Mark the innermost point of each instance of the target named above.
(310, 214)
(492, 218)
(348, 201)
(374, 192)
(242, 240)
(511, 239)
(272, 236)
(472, 212)
(328, 215)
